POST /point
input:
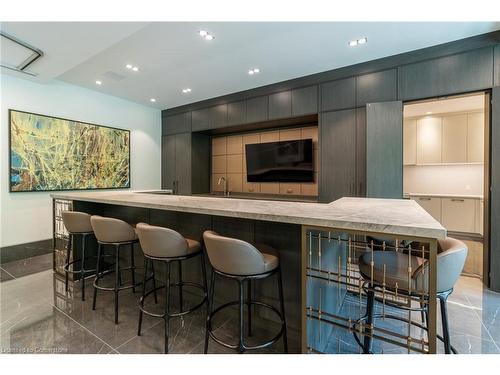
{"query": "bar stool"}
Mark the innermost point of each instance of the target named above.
(167, 246)
(77, 224)
(238, 260)
(115, 233)
(450, 262)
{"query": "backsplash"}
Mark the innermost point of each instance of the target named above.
(228, 160)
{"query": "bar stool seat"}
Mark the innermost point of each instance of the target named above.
(241, 261)
(451, 257)
(115, 233)
(77, 224)
(166, 245)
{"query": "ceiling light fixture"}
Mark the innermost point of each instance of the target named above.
(206, 35)
(253, 71)
(429, 113)
(354, 43)
(152, 100)
(128, 66)
(185, 91)
(98, 82)
(131, 67)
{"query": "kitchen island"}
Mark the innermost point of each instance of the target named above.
(313, 240)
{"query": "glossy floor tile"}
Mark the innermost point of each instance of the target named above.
(37, 315)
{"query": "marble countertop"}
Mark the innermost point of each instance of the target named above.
(389, 216)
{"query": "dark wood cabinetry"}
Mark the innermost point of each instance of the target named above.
(338, 94)
(361, 152)
(257, 109)
(337, 137)
(209, 118)
(376, 87)
(280, 105)
(200, 120)
(305, 101)
(454, 74)
(496, 68)
(176, 162)
(175, 124)
(236, 113)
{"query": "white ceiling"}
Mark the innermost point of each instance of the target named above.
(172, 56)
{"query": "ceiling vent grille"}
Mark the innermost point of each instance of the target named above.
(17, 55)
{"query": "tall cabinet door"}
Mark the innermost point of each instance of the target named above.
(183, 163)
(492, 263)
(338, 146)
(384, 150)
(168, 161)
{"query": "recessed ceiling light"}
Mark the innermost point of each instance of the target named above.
(98, 82)
(209, 37)
(206, 35)
(354, 43)
(128, 66)
(429, 113)
(203, 33)
(135, 69)
(152, 100)
(185, 91)
(253, 71)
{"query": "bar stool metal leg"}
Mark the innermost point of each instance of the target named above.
(180, 287)
(154, 281)
(209, 310)
(146, 261)
(367, 343)
(68, 253)
(282, 307)
(444, 320)
(97, 273)
(82, 273)
(167, 304)
(117, 281)
(240, 343)
(132, 263)
(249, 306)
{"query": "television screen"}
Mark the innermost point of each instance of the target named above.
(285, 161)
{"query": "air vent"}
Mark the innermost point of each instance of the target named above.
(16, 54)
(114, 76)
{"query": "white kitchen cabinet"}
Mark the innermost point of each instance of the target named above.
(410, 142)
(429, 135)
(454, 142)
(475, 137)
(458, 214)
(431, 204)
(479, 216)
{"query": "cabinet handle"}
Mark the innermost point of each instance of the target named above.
(289, 191)
(456, 200)
(424, 199)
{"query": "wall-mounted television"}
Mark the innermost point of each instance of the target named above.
(284, 161)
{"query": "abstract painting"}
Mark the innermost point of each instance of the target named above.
(49, 153)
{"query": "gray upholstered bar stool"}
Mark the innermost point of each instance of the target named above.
(450, 262)
(77, 224)
(113, 233)
(166, 245)
(238, 260)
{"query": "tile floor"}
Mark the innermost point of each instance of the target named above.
(37, 316)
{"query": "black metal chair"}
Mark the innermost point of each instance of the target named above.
(243, 262)
(167, 246)
(389, 270)
(77, 224)
(113, 233)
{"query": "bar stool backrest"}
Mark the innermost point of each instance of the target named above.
(233, 256)
(450, 263)
(107, 229)
(159, 242)
(76, 222)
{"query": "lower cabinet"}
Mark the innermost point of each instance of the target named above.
(456, 214)
(176, 163)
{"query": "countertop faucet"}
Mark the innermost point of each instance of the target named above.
(222, 180)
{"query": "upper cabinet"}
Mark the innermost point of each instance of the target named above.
(236, 113)
(497, 65)
(209, 118)
(454, 147)
(280, 105)
(376, 87)
(257, 109)
(340, 94)
(475, 137)
(429, 133)
(459, 73)
(305, 101)
(175, 124)
(409, 141)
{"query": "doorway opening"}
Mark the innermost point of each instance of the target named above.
(445, 167)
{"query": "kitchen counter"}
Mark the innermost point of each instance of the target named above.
(387, 216)
(464, 196)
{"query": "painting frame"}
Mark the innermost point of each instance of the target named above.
(11, 110)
